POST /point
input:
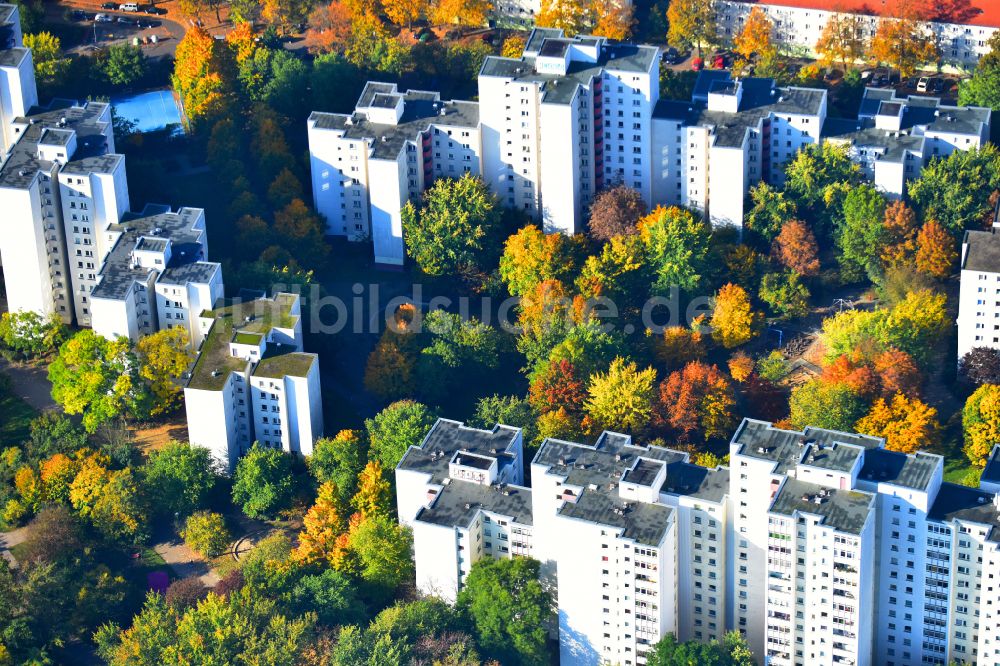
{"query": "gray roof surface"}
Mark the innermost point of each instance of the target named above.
(786, 448)
(843, 510)
(187, 260)
(991, 472)
(983, 253)
(836, 457)
(863, 133)
(421, 109)
(561, 89)
(23, 164)
(598, 469)
(691, 480)
(760, 99)
(457, 504)
(899, 469)
(446, 437)
(955, 502)
(920, 111)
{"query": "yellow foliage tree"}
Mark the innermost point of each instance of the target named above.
(981, 423)
(322, 528)
(57, 475)
(374, 496)
(165, 355)
(614, 19)
(512, 47)
(197, 75)
(734, 321)
(571, 16)
(755, 37)
(907, 424)
(842, 40)
(691, 23)
(622, 398)
(28, 486)
(405, 12)
(902, 43)
(740, 366)
(462, 12)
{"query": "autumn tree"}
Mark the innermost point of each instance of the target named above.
(615, 212)
(785, 295)
(768, 210)
(756, 36)
(897, 373)
(734, 321)
(558, 386)
(165, 356)
(302, 233)
(903, 43)
(980, 365)
(691, 24)
(374, 495)
(112, 500)
(676, 243)
(571, 16)
(512, 47)
(741, 366)
(981, 423)
(621, 399)
(25, 334)
(322, 527)
(455, 228)
(390, 372)
(99, 379)
(531, 257)
(842, 40)
(618, 272)
(51, 65)
(679, 345)
(900, 227)
(615, 19)
(462, 12)
(404, 12)
(205, 532)
(696, 402)
(936, 252)
(796, 248)
(197, 76)
(821, 404)
(330, 26)
(907, 424)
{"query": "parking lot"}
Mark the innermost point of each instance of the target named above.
(97, 25)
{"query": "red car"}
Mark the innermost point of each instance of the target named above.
(697, 64)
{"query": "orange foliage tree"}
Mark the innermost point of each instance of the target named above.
(795, 247)
(907, 424)
(558, 386)
(903, 43)
(696, 401)
(197, 76)
(897, 372)
(900, 224)
(936, 253)
(462, 12)
(330, 26)
(734, 321)
(679, 345)
(322, 527)
(755, 37)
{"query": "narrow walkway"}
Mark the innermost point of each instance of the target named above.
(30, 383)
(10, 539)
(185, 562)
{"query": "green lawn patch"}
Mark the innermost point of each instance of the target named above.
(15, 419)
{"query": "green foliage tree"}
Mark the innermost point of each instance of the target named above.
(396, 428)
(25, 334)
(767, 212)
(956, 190)
(99, 379)
(339, 460)
(383, 548)
(820, 404)
(262, 484)
(506, 410)
(732, 651)
(983, 87)
(785, 294)
(123, 65)
(455, 229)
(508, 609)
(205, 532)
(815, 174)
(861, 235)
(179, 478)
(676, 243)
(52, 433)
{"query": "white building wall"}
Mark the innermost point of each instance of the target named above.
(387, 200)
(978, 309)
(729, 178)
(437, 559)
(212, 422)
(305, 411)
(561, 141)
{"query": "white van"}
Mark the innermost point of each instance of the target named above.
(923, 83)
(129, 7)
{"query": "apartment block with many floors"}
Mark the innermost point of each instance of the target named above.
(895, 137)
(252, 381)
(961, 31)
(367, 165)
(18, 93)
(821, 547)
(979, 290)
(462, 493)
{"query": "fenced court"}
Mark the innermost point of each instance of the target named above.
(151, 111)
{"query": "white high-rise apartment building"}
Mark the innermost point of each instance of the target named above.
(153, 276)
(979, 290)
(566, 119)
(18, 92)
(821, 547)
(252, 382)
(367, 165)
(798, 24)
(462, 493)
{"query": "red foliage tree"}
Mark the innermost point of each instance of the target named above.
(616, 212)
(795, 247)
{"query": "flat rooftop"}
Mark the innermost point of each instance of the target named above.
(991, 472)
(447, 437)
(786, 448)
(983, 252)
(843, 510)
(597, 470)
(280, 364)
(711, 485)
(457, 504)
(913, 470)
(644, 473)
(955, 502)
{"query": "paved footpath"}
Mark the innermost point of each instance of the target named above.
(30, 383)
(185, 562)
(10, 539)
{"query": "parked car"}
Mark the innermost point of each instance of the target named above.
(124, 20)
(128, 7)
(155, 11)
(104, 18)
(672, 56)
(78, 15)
(923, 83)
(109, 5)
(940, 85)
(148, 23)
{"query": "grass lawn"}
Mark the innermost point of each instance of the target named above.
(15, 417)
(956, 469)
